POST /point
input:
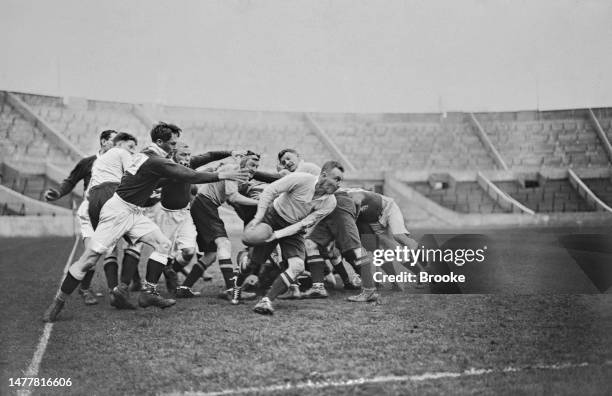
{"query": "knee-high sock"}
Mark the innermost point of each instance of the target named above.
(196, 272)
(155, 269)
(280, 285)
(86, 282)
(111, 269)
(129, 267)
(317, 268)
(340, 270)
(69, 284)
(227, 270)
(366, 269)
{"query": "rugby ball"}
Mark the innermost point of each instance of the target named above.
(257, 235)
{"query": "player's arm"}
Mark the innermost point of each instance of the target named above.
(203, 159)
(267, 177)
(172, 170)
(270, 192)
(308, 221)
(76, 175)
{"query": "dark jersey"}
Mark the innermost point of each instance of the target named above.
(142, 177)
(177, 194)
(82, 171)
(369, 205)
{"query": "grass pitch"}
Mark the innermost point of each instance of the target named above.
(206, 345)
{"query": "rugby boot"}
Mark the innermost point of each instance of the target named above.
(186, 292)
(292, 293)
(316, 291)
(171, 279)
(366, 295)
(150, 296)
(264, 307)
(236, 294)
(54, 309)
(89, 298)
(244, 295)
(120, 297)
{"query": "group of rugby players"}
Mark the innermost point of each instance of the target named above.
(297, 221)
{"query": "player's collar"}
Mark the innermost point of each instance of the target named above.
(158, 150)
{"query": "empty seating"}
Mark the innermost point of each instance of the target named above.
(548, 196)
(602, 187)
(462, 197)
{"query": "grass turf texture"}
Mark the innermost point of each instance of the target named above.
(205, 344)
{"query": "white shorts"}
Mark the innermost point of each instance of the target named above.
(177, 225)
(392, 218)
(84, 222)
(119, 218)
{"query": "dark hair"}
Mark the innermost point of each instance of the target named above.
(247, 157)
(164, 132)
(329, 165)
(107, 134)
(287, 150)
(124, 137)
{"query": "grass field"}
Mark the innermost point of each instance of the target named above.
(547, 330)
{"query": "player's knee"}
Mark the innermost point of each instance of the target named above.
(295, 267)
(312, 249)
(187, 254)
(224, 248)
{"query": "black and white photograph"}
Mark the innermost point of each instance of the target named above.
(306, 197)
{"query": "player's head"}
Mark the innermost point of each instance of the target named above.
(289, 159)
(182, 155)
(106, 139)
(125, 141)
(165, 136)
(332, 173)
(250, 162)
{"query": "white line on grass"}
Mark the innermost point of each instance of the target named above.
(32, 370)
(387, 379)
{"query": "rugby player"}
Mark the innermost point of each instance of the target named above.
(123, 215)
(107, 172)
(82, 171)
(212, 236)
(285, 209)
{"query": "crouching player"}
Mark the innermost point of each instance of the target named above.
(212, 237)
(286, 208)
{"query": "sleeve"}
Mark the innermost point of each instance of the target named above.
(203, 159)
(78, 173)
(126, 159)
(172, 170)
(266, 177)
(308, 221)
(274, 190)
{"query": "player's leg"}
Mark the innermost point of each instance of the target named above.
(294, 252)
(149, 233)
(259, 256)
(115, 220)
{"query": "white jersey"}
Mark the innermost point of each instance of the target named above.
(109, 167)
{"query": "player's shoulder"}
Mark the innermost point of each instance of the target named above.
(310, 168)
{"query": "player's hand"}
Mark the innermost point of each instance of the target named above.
(239, 175)
(156, 194)
(238, 153)
(253, 223)
(272, 238)
(52, 194)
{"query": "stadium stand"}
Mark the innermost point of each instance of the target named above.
(263, 132)
(33, 185)
(425, 141)
(601, 187)
(545, 139)
(462, 197)
(82, 122)
(547, 196)
(21, 140)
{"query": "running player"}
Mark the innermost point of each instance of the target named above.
(82, 171)
(123, 215)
